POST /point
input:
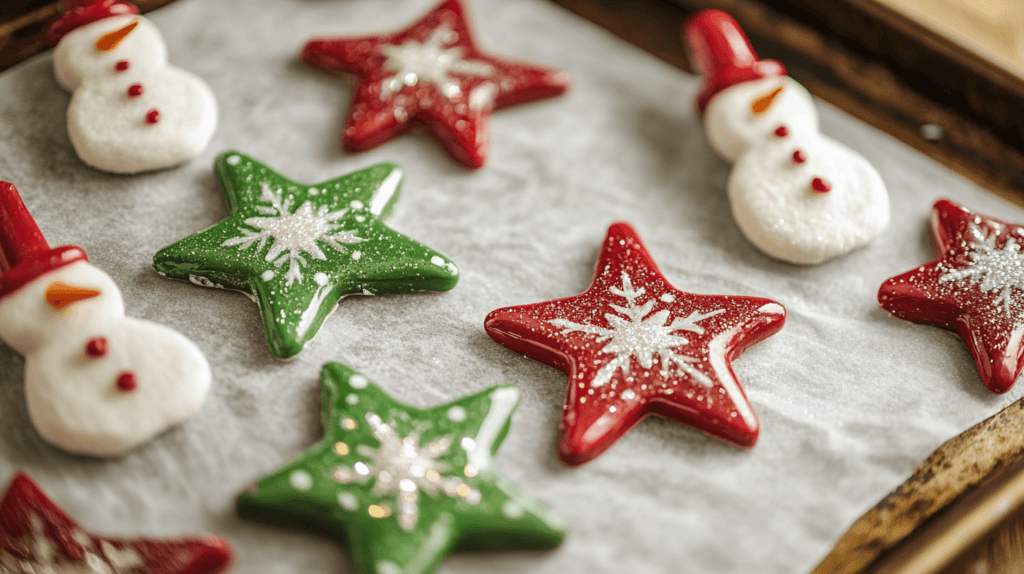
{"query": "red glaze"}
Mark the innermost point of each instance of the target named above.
(721, 52)
(992, 327)
(134, 91)
(152, 116)
(24, 503)
(127, 381)
(461, 128)
(96, 347)
(595, 416)
(781, 131)
(121, 65)
(820, 184)
(24, 252)
(78, 13)
(800, 156)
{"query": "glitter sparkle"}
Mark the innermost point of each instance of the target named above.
(293, 234)
(999, 270)
(429, 61)
(632, 345)
(975, 287)
(401, 466)
(401, 487)
(641, 336)
(430, 73)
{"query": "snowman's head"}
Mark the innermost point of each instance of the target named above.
(758, 111)
(106, 48)
(72, 298)
(743, 98)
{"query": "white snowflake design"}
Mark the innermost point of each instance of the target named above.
(401, 466)
(641, 337)
(44, 557)
(429, 61)
(293, 233)
(999, 270)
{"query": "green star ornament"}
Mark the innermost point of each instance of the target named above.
(402, 487)
(297, 249)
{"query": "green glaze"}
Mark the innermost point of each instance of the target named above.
(337, 489)
(297, 249)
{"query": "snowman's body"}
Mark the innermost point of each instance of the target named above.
(762, 125)
(117, 69)
(74, 394)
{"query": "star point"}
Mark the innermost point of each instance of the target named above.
(297, 249)
(36, 535)
(632, 346)
(975, 287)
(430, 73)
(401, 487)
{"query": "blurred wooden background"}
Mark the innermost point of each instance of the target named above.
(993, 28)
(23, 24)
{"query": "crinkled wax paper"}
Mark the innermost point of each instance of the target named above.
(850, 399)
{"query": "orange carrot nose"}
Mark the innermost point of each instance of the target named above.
(110, 40)
(60, 294)
(762, 103)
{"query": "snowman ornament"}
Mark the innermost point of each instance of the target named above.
(96, 382)
(796, 194)
(130, 110)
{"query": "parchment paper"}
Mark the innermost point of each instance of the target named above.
(850, 399)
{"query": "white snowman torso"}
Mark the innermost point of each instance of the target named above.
(797, 195)
(97, 382)
(130, 110)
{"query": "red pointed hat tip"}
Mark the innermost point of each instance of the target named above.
(722, 54)
(24, 253)
(78, 13)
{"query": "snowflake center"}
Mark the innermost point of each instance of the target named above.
(1004, 267)
(428, 61)
(401, 460)
(292, 234)
(998, 270)
(643, 339)
(637, 334)
(296, 232)
(401, 466)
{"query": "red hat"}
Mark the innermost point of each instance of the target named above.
(723, 55)
(24, 253)
(78, 13)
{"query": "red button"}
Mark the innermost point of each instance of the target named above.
(127, 381)
(821, 185)
(96, 347)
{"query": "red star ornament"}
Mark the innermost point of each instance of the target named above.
(37, 536)
(975, 287)
(431, 73)
(632, 346)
